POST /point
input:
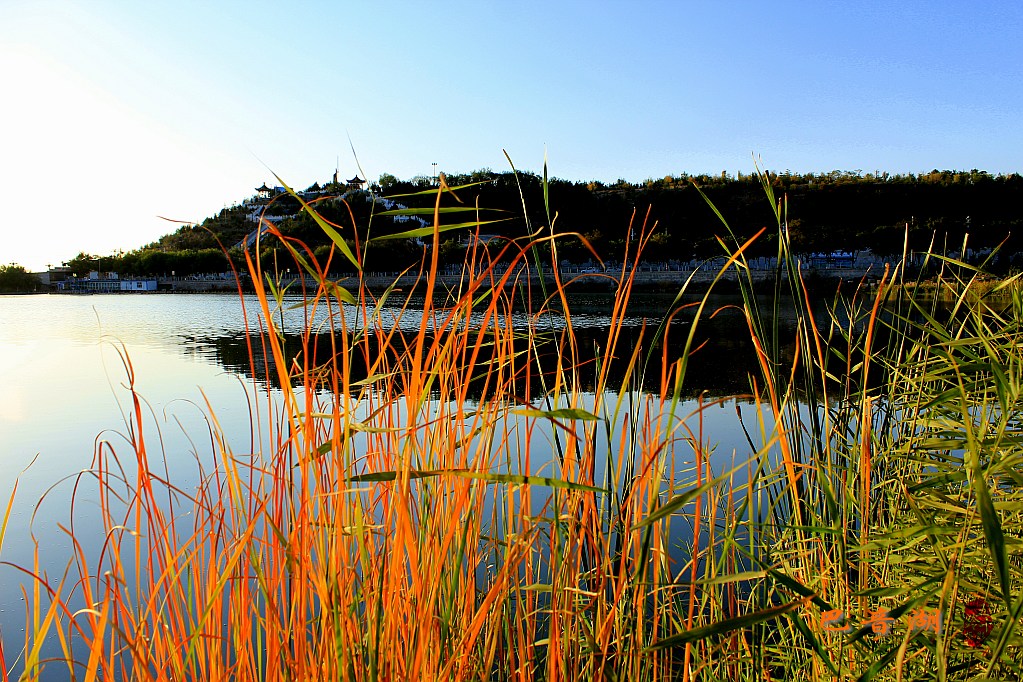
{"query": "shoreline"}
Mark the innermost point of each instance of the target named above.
(653, 281)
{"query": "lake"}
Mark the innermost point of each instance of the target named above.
(65, 365)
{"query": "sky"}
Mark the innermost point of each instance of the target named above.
(116, 115)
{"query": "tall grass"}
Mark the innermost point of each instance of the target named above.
(389, 523)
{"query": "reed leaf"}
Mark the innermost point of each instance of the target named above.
(724, 626)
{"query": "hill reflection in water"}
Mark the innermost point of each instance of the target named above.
(720, 367)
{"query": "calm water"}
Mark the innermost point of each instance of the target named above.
(64, 373)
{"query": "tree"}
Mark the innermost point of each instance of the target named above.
(14, 278)
(387, 181)
(83, 263)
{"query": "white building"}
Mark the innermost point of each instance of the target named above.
(138, 285)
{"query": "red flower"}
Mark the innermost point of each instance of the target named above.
(977, 622)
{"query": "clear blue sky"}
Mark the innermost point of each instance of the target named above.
(117, 112)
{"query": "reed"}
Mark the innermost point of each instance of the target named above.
(389, 523)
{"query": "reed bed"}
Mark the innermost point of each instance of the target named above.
(389, 523)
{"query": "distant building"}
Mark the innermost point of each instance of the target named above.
(105, 282)
(54, 275)
(472, 239)
(834, 259)
(138, 285)
(356, 183)
(264, 192)
(95, 282)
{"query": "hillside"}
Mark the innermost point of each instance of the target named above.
(838, 210)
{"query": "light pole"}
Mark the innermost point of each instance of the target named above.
(436, 178)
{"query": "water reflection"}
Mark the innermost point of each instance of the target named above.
(65, 385)
(220, 329)
(721, 366)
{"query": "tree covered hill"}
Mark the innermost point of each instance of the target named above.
(826, 211)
